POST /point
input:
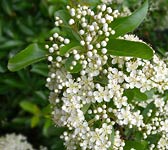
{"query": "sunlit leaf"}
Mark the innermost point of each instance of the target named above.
(34, 121)
(30, 107)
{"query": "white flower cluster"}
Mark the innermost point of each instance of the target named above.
(158, 122)
(91, 103)
(14, 142)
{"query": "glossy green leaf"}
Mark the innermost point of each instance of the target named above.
(32, 54)
(130, 23)
(68, 64)
(129, 94)
(119, 47)
(30, 107)
(69, 47)
(139, 96)
(135, 95)
(34, 121)
(138, 145)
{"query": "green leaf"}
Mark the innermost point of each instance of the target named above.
(69, 47)
(52, 9)
(12, 82)
(68, 64)
(146, 110)
(140, 96)
(91, 2)
(30, 107)
(130, 23)
(34, 121)
(47, 124)
(24, 28)
(101, 79)
(119, 47)
(129, 93)
(138, 145)
(111, 138)
(71, 32)
(7, 7)
(85, 108)
(10, 44)
(64, 15)
(32, 54)
(46, 111)
(41, 69)
(135, 95)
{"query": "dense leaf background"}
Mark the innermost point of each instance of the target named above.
(24, 107)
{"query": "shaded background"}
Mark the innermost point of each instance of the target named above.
(24, 106)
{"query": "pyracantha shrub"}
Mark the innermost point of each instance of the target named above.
(104, 88)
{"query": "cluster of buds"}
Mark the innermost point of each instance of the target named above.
(88, 85)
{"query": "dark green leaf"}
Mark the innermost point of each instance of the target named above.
(32, 54)
(10, 44)
(101, 79)
(68, 64)
(47, 110)
(135, 95)
(7, 7)
(41, 94)
(140, 96)
(41, 69)
(129, 94)
(146, 110)
(24, 28)
(130, 23)
(138, 145)
(47, 124)
(12, 82)
(64, 15)
(120, 47)
(2, 68)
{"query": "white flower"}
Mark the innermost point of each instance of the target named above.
(14, 142)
